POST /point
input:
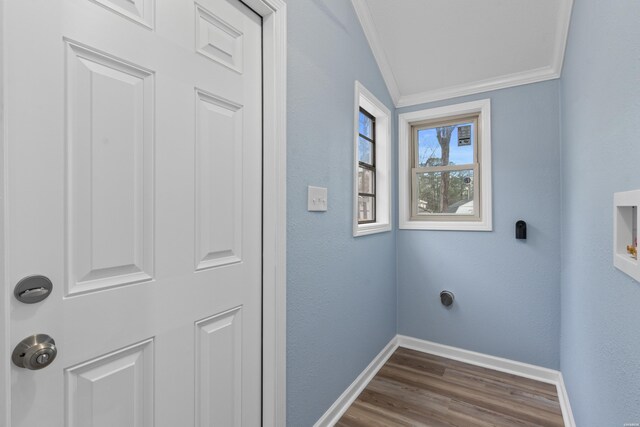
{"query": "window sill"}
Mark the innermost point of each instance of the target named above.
(372, 228)
(447, 225)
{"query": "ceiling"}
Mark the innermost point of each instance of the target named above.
(429, 50)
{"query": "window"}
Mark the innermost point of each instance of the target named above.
(372, 165)
(445, 167)
(366, 167)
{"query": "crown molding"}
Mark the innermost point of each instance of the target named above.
(370, 32)
(501, 82)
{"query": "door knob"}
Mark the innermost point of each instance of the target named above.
(35, 352)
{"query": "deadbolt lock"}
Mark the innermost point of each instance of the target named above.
(33, 289)
(35, 352)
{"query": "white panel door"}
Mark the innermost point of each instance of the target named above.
(134, 176)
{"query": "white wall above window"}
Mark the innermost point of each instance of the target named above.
(366, 100)
(406, 122)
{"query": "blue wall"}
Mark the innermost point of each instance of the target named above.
(507, 291)
(341, 290)
(600, 338)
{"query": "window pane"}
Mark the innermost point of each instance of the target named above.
(447, 145)
(366, 208)
(365, 151)
(366, 181)
(446, 193)
(366, 126)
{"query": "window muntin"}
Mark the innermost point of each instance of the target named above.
(366, 167)
(445, 170)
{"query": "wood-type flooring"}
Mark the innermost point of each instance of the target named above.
(420, 389)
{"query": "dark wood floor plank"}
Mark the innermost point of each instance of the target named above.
(542, 398)
(394, 406)
(411, 394)
(508, 390)
(367, 415)
(486, 385)
(466, 414)
(419, 363)
(481, 372)
(417, 389)
(482, 399)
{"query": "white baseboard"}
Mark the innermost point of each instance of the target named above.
(345, 400)
(563, 397)
(526, 370)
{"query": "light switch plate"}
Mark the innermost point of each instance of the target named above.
(317, 199)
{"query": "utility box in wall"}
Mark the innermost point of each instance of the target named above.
(625, 232)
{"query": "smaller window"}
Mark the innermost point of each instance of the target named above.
(445, 168)
(366, 168)
(372, 164)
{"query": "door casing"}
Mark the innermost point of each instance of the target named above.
(274, 21)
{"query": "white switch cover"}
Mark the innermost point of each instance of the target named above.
(317, 199)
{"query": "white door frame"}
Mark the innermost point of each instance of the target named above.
(274, 215)
(274, 46)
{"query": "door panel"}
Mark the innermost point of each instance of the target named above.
(219, 151)
(141, 11)
(134, 148)
(109, 117)
(90, 400)
(218, 371)
(218, 39)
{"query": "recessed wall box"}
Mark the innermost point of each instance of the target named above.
(625, 232)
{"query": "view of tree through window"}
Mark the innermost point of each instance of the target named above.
(445, 169)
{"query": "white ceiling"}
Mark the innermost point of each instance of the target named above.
(437, 49)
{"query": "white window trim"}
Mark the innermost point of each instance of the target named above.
(405, 122)
(365, 99)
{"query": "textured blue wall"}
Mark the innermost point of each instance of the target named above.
(341, 290)
(507, 291)
(600, 338)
